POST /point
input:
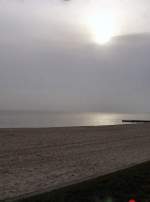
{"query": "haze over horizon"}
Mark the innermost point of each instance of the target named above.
(49, 60)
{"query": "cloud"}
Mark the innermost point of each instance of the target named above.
(47, 61)
(86, 78)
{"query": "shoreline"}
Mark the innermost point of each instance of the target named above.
(77, 126)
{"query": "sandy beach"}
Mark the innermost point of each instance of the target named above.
(35, 160)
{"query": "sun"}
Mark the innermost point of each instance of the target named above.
(102, 26)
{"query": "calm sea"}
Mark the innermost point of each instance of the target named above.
(48, 119)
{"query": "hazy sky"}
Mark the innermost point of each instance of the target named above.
(50, 61)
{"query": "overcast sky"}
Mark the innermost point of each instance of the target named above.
(49, 61)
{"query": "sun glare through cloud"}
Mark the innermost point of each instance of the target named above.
(102, 25)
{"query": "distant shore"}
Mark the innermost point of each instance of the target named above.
(37, 160)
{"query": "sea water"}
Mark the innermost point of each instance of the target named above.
(19, 119)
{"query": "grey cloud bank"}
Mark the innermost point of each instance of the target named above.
(53, 67)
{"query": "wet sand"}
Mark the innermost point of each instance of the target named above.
(34, 161)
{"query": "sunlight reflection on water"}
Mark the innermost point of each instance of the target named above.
(48, 119)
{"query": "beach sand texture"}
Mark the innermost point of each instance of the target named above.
(35, 160)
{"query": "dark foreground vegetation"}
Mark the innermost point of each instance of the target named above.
(129, 185)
